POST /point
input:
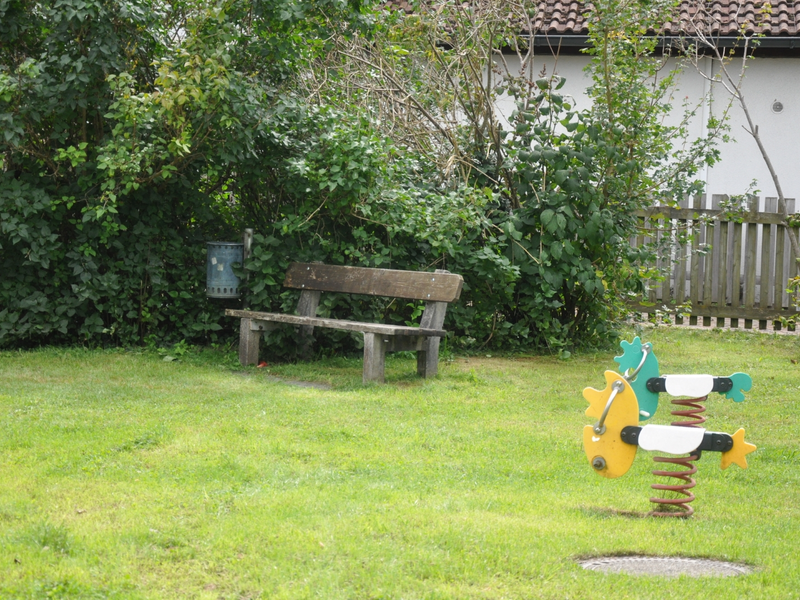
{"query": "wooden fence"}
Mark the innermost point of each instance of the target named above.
(732, 274)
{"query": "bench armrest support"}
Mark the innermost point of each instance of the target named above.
(428, 358)
(307, 307)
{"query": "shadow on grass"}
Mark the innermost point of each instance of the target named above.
(605, 513)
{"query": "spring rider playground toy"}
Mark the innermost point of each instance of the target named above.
(632, 396)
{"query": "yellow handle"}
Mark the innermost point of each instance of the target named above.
(607, 453)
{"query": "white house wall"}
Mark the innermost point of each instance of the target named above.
(767, 80)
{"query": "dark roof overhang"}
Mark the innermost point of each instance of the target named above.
(576, 42)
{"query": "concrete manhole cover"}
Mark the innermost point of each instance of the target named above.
(664, 566)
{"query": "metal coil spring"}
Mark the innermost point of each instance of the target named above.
(679, 507)
(693, 411)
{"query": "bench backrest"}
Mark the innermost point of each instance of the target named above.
(413, 285)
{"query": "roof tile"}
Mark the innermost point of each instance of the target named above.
(717, 17)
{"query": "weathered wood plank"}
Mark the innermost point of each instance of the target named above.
(766, 255)
(432, 287)
(780, 275)
(708, 263)
(695, 263)
(651, 292)
(743, 276)
(428, 357)
(379, 328)
(726, 312)
(736, 270)
(666, 289)
(750, 265)
(794, 269)
(249, 342)
(720, 250)
(722, 285)
(307, 307)
(680, 271)
(664, 212)
(374, 358)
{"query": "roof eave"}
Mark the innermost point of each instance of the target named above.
(559, 40)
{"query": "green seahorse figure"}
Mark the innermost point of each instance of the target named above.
(630, 359)
(742, 382)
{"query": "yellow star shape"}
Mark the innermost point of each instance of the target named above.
(737, 454)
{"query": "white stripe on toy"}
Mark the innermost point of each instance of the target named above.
(669, 439)
(689, 385)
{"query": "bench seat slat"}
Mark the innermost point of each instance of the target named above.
(379, 328)
(392, 283)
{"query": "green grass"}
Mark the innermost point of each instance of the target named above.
(125, 476)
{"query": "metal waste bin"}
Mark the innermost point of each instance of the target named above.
(220, 280)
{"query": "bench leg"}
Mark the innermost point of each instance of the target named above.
(307, 307)
(248, 343)
(374, 357)
(428, 359)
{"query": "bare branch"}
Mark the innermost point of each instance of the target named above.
(733, 85)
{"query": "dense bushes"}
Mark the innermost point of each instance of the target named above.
(122, 125)
(60, 286)
(134, 132)
(534, 275)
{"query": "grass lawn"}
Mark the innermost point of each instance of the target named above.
(125, 476)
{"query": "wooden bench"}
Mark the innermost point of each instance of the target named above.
(436, 289)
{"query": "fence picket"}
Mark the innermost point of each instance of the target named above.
(780, 272)
(736, 267)
(722, 294)
(750, 265)
(742, 274)
(764, 287)
(695, 262)
(708, 260)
